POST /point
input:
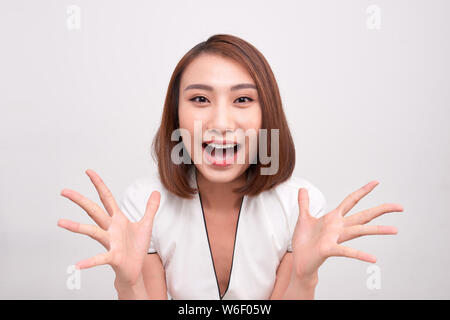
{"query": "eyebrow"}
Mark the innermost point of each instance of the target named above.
(209, 88)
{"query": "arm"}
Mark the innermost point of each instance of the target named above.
(127, 291)
(154, 277)
(151, 283)
(288, 286)
(282, 280)
(301, 288)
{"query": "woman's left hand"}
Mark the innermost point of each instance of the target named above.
(316, 239)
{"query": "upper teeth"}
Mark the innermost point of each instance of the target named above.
(222, 146)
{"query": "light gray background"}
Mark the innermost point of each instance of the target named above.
(362, 104)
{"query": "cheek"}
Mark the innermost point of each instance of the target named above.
(191, 123)
(188, 116)
(184, 116)
(251, 119)
(187, 140)
(186, 122)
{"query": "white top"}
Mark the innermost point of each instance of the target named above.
(264, 232)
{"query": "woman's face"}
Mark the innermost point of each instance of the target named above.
(215, 115)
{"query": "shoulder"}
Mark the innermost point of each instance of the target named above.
(133, 200)
(143, 186)
(287, 192)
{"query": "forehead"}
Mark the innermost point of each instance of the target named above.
(214, 70)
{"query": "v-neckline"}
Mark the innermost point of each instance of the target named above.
(210, 251)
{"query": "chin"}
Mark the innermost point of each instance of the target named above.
(221, 174)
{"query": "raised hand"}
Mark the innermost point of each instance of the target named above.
(127, 242)
(316, 239)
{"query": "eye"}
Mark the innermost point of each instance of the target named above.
(250, 99)
(200, 97)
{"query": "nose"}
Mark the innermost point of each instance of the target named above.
(222, 119)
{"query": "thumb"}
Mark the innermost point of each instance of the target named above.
(303, 202)
(151, 209)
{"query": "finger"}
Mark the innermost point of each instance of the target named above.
(341, 251)
(100, 259)
(97, 214)
(105, 194)
(363, 230)
(351, 200)
(151, 209)
(368, 215)
(303, 202)
(92, 231)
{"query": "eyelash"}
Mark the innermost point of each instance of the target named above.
(250, 99)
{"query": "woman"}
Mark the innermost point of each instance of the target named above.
(208, 227)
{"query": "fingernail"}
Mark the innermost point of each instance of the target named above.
(61, 223)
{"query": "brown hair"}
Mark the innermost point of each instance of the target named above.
(175, 177)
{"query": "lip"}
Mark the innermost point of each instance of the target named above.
(221, 141)
(225, 162)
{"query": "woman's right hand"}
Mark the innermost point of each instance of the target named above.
(127, 242)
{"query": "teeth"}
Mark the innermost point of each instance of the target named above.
(222, 146)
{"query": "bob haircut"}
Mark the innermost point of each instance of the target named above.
(175, 177)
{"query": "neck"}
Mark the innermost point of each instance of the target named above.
(220, 196)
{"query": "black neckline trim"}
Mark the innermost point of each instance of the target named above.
(210, 251)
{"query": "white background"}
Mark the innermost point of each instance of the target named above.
(362, 104)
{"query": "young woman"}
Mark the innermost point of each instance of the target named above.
(211, 227)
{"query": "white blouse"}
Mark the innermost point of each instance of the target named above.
(264, 232)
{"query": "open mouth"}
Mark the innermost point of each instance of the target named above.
(221, 154)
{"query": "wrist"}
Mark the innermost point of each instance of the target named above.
(121, 282)
(305, 280)
(128, 290)
(301, 287)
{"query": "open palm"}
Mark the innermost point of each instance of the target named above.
(127, 242)
(316, 239)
